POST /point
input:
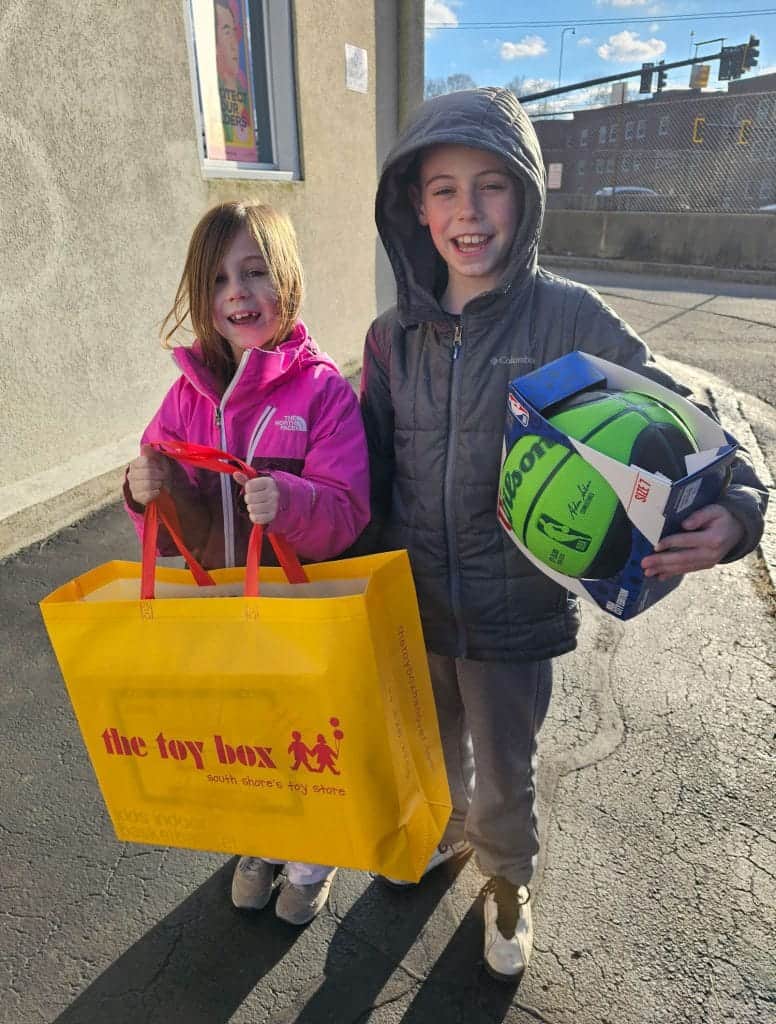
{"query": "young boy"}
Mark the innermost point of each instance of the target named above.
(459, 209)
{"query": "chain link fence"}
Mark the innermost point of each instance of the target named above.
(678, 151)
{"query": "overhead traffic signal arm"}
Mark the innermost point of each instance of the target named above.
(731, 65)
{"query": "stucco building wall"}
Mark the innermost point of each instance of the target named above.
(100, 186)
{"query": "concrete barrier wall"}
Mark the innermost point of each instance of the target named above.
(742, 242)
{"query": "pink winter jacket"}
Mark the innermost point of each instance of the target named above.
(287, 411)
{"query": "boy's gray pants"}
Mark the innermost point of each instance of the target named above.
(489, 714)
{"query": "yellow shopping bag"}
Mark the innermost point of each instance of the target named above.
(298, 724)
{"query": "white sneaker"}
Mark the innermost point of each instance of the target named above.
(252, 883)
(443, 852)
(508, 929)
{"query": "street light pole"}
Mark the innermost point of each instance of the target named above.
(563, 32)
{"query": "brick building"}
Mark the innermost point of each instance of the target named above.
(700, 150)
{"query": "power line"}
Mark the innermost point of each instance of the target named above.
(464, 25)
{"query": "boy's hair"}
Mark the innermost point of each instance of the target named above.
(275, 237)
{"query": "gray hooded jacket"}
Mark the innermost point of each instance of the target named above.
(433, 400)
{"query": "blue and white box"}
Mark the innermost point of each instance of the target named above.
(654, 504)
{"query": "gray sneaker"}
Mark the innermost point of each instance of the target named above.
(443, 853)
(298, 904)
(252, 883)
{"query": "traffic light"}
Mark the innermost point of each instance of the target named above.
(751, 53)
(737, 57)
(724, 64)
(646, 77)
(661, 77)
(731, 61)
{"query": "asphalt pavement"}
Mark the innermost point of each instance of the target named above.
(653, 904)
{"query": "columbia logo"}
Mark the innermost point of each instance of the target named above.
(291, 423)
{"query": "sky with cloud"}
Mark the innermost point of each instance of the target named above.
(601, 37)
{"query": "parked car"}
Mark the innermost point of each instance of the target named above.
(636, 198)
(769, 208)
(625, 190)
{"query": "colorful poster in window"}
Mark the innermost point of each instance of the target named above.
(221, 35)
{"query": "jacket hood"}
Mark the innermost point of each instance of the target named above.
(490, 119)
(258, 367)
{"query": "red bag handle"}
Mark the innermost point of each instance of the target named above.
(214, 459)
(163, 508)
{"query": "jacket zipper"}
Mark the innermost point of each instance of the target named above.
(227, 507)
(449, 493)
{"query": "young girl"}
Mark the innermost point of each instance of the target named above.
(255, 384)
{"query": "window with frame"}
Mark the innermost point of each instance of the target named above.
(663, 125)
(626, 162)
(583, 136)
(610, 165)
(613, 133)
(629, 129)
(603, 131)
(641, 129)
(581, 165)
(600, 165)
(242, 67)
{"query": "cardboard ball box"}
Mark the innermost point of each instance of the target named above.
(655, 505)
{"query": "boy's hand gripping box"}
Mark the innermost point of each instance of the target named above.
(654, 505)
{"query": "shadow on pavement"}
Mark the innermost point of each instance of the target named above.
(373, 939)
(458, 988)
(197, 965)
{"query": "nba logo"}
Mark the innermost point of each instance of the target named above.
(518, 411)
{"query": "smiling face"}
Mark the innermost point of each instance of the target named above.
(472, 206)
(245, 309)
(227, 48)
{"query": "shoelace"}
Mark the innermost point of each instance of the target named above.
(252, 865)
(509, 900)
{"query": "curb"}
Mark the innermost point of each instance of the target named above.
(686, 270)
(727, 406)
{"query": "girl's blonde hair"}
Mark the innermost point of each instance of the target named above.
(275, 237)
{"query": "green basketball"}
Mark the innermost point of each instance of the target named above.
(560, 507)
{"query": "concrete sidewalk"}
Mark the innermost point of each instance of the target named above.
(654, 902)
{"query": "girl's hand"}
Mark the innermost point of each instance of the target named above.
(262, 497)
(148, 474)
(711, 532)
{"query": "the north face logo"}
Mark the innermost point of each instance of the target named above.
(292, 423)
